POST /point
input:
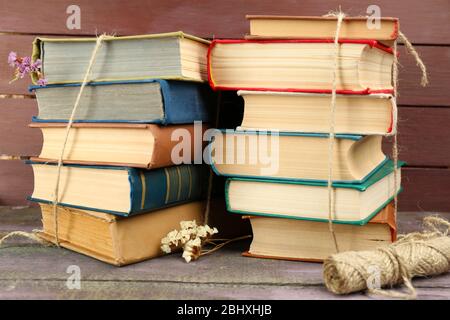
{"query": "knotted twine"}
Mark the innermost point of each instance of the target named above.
(424, 82)
(417, 254)
(32, 235)
(55, 201)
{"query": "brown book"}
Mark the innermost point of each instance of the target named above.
(113, 239)
(304, 27)
(119, 144)
(290, 239)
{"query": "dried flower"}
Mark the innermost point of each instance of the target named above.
(192, 250)
(42, 82)
(24, 66)
(12, 58)
(190, 238)
(188, 224)
(206, 231)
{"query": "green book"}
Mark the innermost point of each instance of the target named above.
(121, 191)
(295, 156)
(308, 200)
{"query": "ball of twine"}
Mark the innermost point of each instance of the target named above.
(421, 254)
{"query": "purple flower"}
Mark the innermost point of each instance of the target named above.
(35, 66)
(24, 66)
(12, 57)
(42, 82)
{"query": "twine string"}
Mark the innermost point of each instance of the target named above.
(410, 49)
(340, 16)
(68, 127)
(28, 235)
(356, 262)
(394, 131)
(424, 253)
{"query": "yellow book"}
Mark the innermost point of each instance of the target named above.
(310, 27)
(290, 239)
(113, 239)
(310, 112)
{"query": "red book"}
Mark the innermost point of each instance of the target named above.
(364, 66)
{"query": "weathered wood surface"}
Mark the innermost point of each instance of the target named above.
(17, 138)
(30, 271)
(22, 45)
(425, 189)
(422, 21)
(422, 137)
(16, 182)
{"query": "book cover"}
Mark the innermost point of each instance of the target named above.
(386, 216)
(114, 144)
(171, 102)
(149, 189)
(383, 171)
(367, 90)
(292, 149)
(121, 241)
(71, 56)
(320, 27)
(310, 112)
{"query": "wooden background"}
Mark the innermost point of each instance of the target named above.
(424, 112)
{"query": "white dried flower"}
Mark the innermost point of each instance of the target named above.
(166, 248)
(206, 231)
(190, 237)
(188, 224)
(192, 250)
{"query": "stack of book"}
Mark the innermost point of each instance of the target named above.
(121, 189)
(277, 160)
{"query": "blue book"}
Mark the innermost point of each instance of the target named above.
(135, 101)
(121, 191)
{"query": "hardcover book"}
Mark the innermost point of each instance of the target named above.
(310, 112)
(112, 239)
(172, 55)
(365, 66)
(120, 144)
(295, 156)
(310, 27)
(354, 203)
(121, 191)
(290, 239)
(144, 101)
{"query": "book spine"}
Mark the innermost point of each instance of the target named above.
(160, 188)
(186, 102)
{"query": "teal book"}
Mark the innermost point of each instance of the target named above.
(121, 191)
(295, 156)
(308, 200)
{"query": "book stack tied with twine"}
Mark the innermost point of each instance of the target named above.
(107, 116)
(309, 171)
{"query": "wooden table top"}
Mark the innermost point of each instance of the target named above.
(30, 271)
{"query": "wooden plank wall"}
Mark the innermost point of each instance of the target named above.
(424, 112)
